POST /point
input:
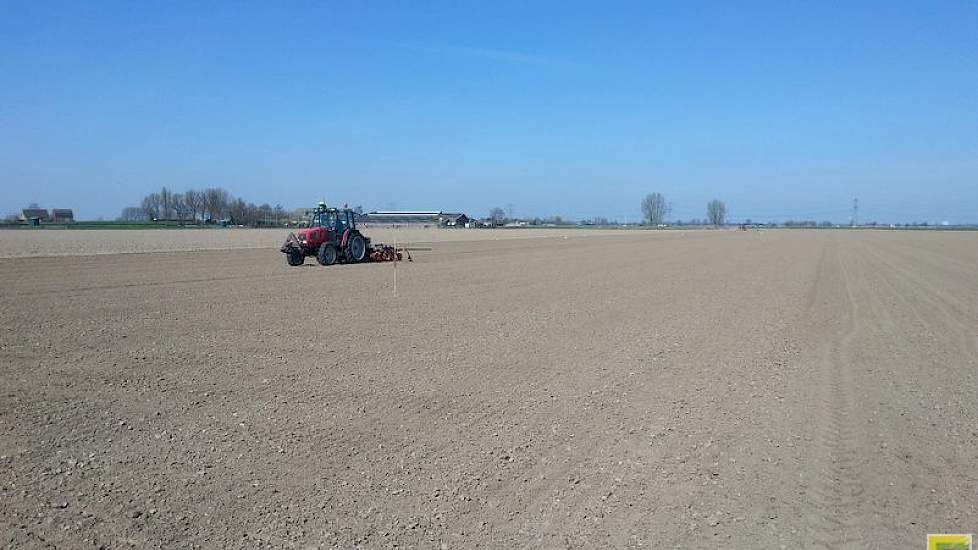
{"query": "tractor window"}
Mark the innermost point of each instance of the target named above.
(324, 219)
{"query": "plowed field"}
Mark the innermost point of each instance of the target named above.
(580, 389)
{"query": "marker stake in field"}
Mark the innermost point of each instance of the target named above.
(395, 263)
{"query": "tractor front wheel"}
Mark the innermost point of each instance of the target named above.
(295, 258)
(326, 254)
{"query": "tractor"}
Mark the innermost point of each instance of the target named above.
(331, 237)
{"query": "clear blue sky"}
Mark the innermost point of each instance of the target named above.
(782, 109)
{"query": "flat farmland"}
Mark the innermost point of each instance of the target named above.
(21, 243)
(576, 389)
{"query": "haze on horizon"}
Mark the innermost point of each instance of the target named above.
(783, 111)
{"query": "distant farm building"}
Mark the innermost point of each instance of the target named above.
(39, 214)
(403, 216)
(426, 217)
(454, 220)
(390, 217)
(62, 215)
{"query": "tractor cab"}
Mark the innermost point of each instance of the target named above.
(333, 219)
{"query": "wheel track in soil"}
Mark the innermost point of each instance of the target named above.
(874, 322)
(939, 332)
(838, 487)
(847, 515)
(887, 324)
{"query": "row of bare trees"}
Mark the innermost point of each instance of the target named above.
(655, 208)
(497, 216)
(203, 206)
(716, 212)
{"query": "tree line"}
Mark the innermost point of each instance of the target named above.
(497, 216)
(210, 205)
(655, 208)
(215, 205)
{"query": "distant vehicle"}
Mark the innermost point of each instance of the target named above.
(332, 237)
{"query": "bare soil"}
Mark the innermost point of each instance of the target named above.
(661, 390)
(24, 242)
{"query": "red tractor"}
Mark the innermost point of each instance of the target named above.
(331, 237)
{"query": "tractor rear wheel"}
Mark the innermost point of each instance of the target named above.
(295, 258)
(356, 249)
(326, 254)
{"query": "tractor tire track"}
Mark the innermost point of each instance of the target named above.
(838, 491)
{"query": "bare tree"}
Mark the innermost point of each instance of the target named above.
(237, 211)
(245, 213)
(218, 200)
(181, 207)
(281, 215)
(177, 206)
(265, 214)
(166, 203)
(655, 208)
(195, 202)
(716, 212)
(151, 206)
(132, 214)
(211, 203)
(497, 215)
